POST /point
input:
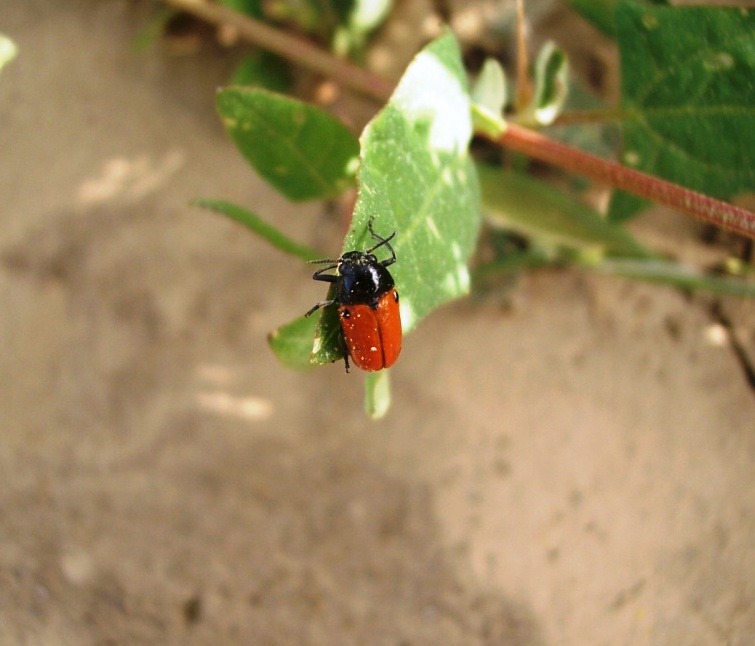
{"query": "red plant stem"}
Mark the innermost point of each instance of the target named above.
(523, 84)
(515, 137)
(596, 168)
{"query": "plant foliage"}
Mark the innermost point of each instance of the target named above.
(301, 150)
(415, 177)
(688, 97)
(686, 114)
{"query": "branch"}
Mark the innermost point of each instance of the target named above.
(651, 187)
(523, 85)
(526, 141)
(291, 47)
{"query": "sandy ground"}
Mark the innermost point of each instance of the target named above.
(574, 470)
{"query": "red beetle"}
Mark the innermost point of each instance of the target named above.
(367, 305)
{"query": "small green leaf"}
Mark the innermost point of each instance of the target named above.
(301, 150)
(256, 224)
(366, 15)
(363, 17)
(489, 90)
(688, 96)
(489, 99)
(8, 50)
(552, 218)
(326, 347)
(551, 85)
(377, 394)
(292, 342)
(297, 342)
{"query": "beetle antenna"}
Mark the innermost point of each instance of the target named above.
(381, 240)
(322, 262)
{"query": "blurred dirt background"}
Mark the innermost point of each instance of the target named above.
(574, 469)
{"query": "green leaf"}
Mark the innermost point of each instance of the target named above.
(363, 17)
(601, 12)
(295, 343)
(298, 342)
(688, 96)
(676, 274)
(538, 210)
(598, 12)
(256, 224)
(489, 99)
(551, 85)
(301, 150)
(326, 347)
(416, 178)
(8, 50)
(377, 398)
(366, 15)
(289, 340)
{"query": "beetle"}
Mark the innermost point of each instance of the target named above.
(367, 302)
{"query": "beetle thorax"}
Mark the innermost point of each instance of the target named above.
(363, 279)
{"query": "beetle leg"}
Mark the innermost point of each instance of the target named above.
(344, 349)
(317, 306)
(392, 259)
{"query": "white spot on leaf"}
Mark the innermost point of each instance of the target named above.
(718, 61)
(430, 94)
(433, 228)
